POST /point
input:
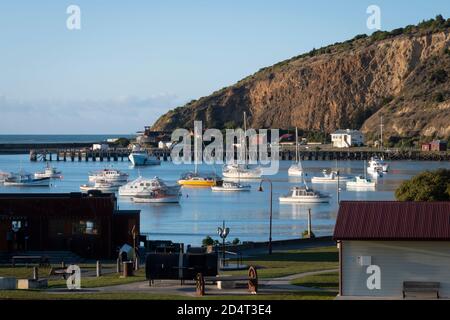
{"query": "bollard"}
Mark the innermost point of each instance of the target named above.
(99, 269)
(118, 265)
(136, 263)
(35, 273)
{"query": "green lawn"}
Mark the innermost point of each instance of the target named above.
(286, 263)
(86, 282)
(328, 281)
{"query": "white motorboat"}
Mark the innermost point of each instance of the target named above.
(139, 157)
(304, 195)
(331, 177)
(109, 175)
(242, 170)
(23, 179)
(377, 165)
(49, 172)
(100, 185)
(296, 169)
(231, 187)
(361, 182)
(141, 184)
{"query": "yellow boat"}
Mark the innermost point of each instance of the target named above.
(194, 180)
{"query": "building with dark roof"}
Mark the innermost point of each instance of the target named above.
(89, 225)
(382, 245)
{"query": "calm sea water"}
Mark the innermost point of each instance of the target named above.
(63, 138)
(201, 211)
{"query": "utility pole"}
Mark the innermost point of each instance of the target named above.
(381, 134)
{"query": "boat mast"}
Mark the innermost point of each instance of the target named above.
(245, 139)
(381, 132)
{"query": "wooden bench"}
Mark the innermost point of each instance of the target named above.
(60, 272)
(420, 287)
(41, 260)
(252, 281)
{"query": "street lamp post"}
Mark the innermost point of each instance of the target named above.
(271, 196)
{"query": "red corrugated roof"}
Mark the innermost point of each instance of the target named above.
(392, 220)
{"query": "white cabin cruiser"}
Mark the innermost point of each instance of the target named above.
(139, 157)
(23, 179)
(304, 195)
(377, 165)
(230, 186)
(241, 171)
(49, 172)
(109, 175)
(361, 182)
(100, 185)
(331, 177)
(141, 184)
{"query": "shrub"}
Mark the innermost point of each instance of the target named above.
(208, 241)
(439, 76)
(236, 241)
(439, 97)
(427, 186)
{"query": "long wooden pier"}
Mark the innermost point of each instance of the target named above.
(286, 153)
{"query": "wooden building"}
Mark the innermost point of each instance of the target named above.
(386, 246)
(87, 224)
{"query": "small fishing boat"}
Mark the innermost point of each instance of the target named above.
(100, 185)
(23, 179)
(231, 187)
(296, 169)
(304, 195)
(49, 172)
(139, 157)
(108, 175)
(331, 177)
(361, 182)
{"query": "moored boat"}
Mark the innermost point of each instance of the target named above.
(331, 177)
(49, 172)
(361, 182)
(23, 179)
(109, 175)
(231, 187)
(157, 196)
(304, 195)
(140, 157)
(100, 185)
(141, 184)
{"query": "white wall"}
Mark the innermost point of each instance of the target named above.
(399, 261)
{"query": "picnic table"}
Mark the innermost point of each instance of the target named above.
(251, 278)
(43, 261)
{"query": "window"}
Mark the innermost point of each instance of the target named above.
(85, 227)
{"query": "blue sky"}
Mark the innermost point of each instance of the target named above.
(132, 61)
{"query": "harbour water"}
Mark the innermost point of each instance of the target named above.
(201, 211)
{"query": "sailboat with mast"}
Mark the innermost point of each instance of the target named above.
(296, 169)
(242, 171)
(194, 179)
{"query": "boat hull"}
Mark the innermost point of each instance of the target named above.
(304, 200)
(42, 182)
(196, 183)
(222, 189)
(143, 160)
(168, 199)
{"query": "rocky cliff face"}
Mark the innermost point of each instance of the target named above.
(403, 77)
